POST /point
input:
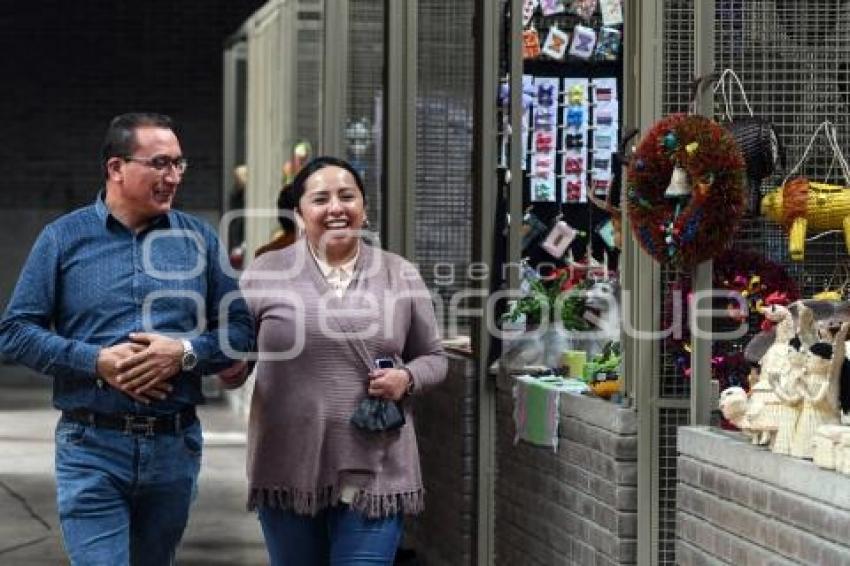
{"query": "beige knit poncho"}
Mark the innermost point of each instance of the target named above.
(313, 371)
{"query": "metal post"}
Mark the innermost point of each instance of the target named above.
(643, 101)
(516, 142)
(702, 277)
(485, 197)
(400, 126)
(335, 77)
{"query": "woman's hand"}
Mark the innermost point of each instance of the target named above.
(234, 376)
(388, 383)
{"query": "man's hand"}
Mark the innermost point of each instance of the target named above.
(388, 383)
(158, 361)
(107, 362)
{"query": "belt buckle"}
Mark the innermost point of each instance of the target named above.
(141, 425)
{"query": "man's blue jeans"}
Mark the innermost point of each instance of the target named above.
(337, 536)
(124, 498)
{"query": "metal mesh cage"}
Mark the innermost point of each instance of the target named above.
(678, 71)
(793, 62)
(365, 86)
(444, 120)
(669, 420)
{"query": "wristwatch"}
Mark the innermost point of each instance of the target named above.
(190, 359)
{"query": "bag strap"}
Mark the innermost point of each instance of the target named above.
(731, 77)
(832, 139)
(362, 351)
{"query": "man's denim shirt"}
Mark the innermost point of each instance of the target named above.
(89, 282)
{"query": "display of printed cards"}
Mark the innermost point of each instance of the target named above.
(575, 117)
(606, 127)
(544, 140)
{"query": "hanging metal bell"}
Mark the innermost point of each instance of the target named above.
(679, 186)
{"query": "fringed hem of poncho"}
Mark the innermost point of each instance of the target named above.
(371, 505)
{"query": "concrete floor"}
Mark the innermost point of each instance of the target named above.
(220, 531)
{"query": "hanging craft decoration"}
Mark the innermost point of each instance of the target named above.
(707, 192)
(556, 43)
(584, 8)
(612, 12)
(530, 44)
(802, 206)
(551, 7)
(528, 8)
(584, 40)
(757, 139)
(757, 282)
(532, 228)
(559, 239)
(608, 44)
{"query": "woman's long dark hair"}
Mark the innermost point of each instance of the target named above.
(300, 182)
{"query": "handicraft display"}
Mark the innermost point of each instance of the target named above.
(806, 207)
(685, 190)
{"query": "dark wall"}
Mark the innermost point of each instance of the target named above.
(69, 66)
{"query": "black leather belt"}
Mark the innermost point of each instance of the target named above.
(148, 425)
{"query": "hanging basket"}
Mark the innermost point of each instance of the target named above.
(760, 146)
(757, 139)
(686, 230)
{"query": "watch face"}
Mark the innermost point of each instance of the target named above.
(189, 361)
(189, 357)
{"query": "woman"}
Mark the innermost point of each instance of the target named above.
(326, 308)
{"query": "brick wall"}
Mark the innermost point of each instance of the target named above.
(576, 506)
(68, 67)
(740, 504)
(445, 430)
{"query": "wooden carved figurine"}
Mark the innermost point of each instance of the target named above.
(734, 404)
(827, 451)
(765, 406)
(819, 390)
(785, 388)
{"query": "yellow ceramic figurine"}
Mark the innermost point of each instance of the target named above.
(803, 206)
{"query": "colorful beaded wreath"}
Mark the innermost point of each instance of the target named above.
(687, 229)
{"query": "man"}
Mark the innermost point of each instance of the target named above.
(125, 303)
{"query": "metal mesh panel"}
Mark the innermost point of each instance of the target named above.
(365, 83)
(793, 60)
(309, 72)
(678, 74)
(669, 421)
(444, 119)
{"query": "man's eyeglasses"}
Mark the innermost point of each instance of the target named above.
(162, 162)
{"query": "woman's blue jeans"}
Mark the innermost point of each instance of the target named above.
(337, 536)
(124, 498)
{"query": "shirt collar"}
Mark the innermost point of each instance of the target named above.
(161, 221)
(346, 268)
